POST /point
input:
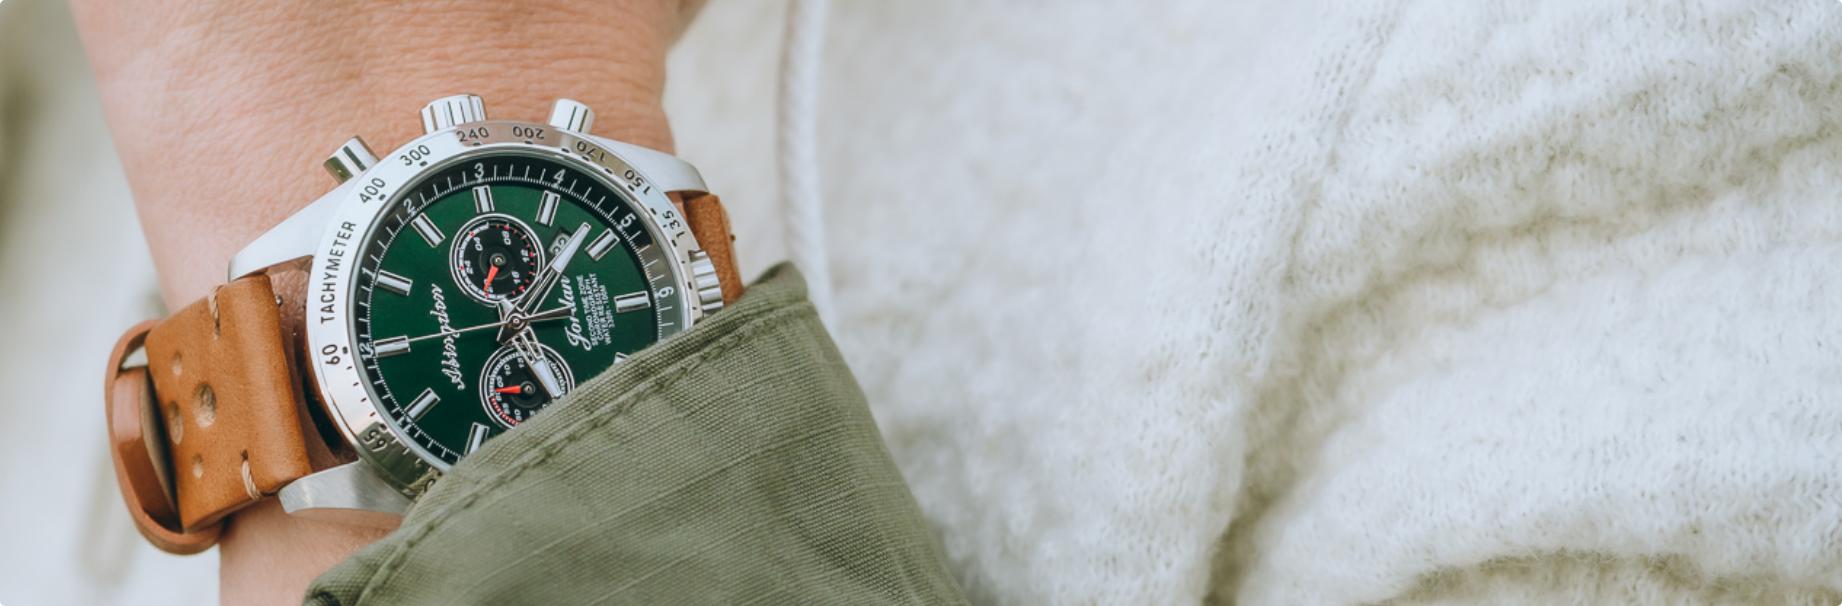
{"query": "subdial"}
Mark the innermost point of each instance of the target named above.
(496, 257)
(510, 389)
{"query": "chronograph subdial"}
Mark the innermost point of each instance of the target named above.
(511, 390)
(496, 257)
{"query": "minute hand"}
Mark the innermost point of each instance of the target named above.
(546, 279)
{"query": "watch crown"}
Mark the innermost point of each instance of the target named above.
(703, 279)
(451, 111)
(572, 115)
(350, 159)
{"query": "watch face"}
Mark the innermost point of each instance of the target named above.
(491, 285)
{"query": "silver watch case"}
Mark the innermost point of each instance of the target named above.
(344, 220)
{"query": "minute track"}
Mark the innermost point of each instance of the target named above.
(363, 226)
(442, 310)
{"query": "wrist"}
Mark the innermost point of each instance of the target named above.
(222, 135)
(223, 114)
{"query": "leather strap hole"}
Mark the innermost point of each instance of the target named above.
(236, 343)
(175, 424)
(205, 409)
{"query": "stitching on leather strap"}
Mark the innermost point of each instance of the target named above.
(217, 324)
(249, 483)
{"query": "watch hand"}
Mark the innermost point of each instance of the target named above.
(510, 389)
(546, 377)
(491, 273)
(548, 314)
(455, 332)
(507, 312)
(546, 278)
(540, 365)
(551, 314)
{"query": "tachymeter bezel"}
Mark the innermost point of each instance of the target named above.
(345, 392)
(583, 194)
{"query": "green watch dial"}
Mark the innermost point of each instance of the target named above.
(491, 286)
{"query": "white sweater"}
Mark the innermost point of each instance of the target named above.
(1435, 302)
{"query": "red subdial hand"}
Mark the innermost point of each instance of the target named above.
(510, 389)
(491, 273)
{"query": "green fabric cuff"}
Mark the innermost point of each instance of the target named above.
(735, 463)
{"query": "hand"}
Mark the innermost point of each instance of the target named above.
(548, 314)
(540, 286)
(526, 343)
(548, 277)
(519, 327)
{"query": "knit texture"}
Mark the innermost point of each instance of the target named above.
(1561, 312)
(1410, 301)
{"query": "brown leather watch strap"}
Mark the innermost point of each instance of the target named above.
(213, 422)
(710, 224)
(220, 427)
(139, 452)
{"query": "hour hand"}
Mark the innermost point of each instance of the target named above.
(540, 365)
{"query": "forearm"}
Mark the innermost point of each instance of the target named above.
(223, 112)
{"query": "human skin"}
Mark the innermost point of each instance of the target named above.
(222, 112)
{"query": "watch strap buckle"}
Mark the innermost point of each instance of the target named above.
(138, 449)
(212, 422)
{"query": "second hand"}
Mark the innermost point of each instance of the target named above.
(552, 314)
(454, 332)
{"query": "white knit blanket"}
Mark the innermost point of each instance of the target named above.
(1415, 302)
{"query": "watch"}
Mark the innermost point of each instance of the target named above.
(454, 288)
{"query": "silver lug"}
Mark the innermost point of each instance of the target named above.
(572, 115)
(349, 493)
(293, 238)
(703, 279)
(351, 159)
(451, 111)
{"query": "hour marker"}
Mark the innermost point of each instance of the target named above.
(631, 302)
(546, 209)
(423, 403)
(601, 245)
(394, 283)
(392, 346)
(427, 229)
(476, 437)
(482, 199)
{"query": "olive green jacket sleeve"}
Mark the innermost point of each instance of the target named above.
(736, 463)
